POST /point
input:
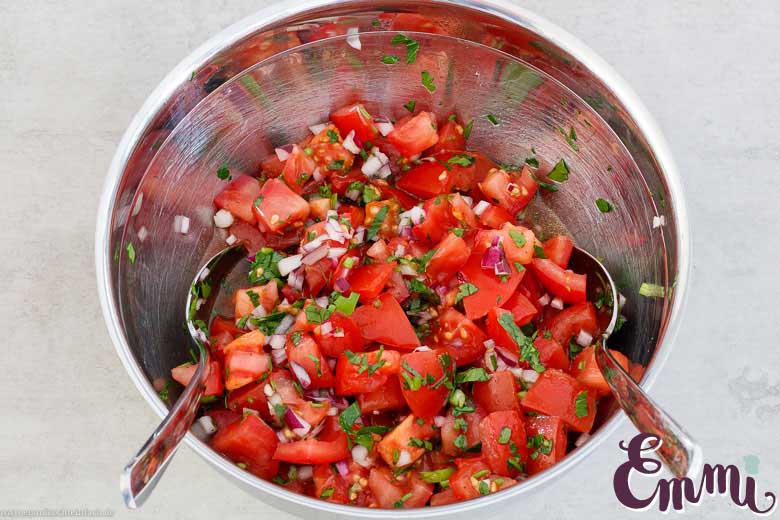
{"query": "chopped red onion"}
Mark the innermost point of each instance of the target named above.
(510, 358)
(281, 436)
(439, 421)
(621, 301)
(305, 472)
(337, 252)
(405, 231)
(544, 300)
(285, 325)
(491, 257)
(223, 219)
(298, 425)
(143, 233)
(338, 333)
(289, 264)
(342, 285)
(313, 244)
(373, 166)
(277, 341)
(279, 356)
(321, 302)
(137, 206)
(295, 279)
(334, 231)
(502, 266)
(207, 424)
(360, 456)
(414, 215)
(584, 339)
(353, 194)
(422, 348)
(326, 328)
(404, 459)
(440, 290)
(556, 303)
(383, 124)
(342, 468)
(259, 312)
(350, 144)
(407, 270)
(582, 439)
(316, 175)
(468, 200)
(530, 376)
(316, 129)
(353, 40)
(480, 208)
(231, 239)
(282, 153)
(316, 255)
(181, 224)
(301, 374)
(360, 233)
(658, 221)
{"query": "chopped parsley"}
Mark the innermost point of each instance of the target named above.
(471, 375)
(528, 352)
(427, 81)
(604, 205)
(505, 435)
(410, 106)
(651, 290)
(517, 237)
(467, 129)
(461, 442)
(400, 502)
(265, 267)
(223, 173)
(539, 251)
(412, 46)
(493, 119)
(560, 172)
(581, 404)
(437, 476)
(327, 492)
(540, 445)
(461, 159)
(316, 314)
(532, 161)
(390, 60)
(333, 136)
(465, 289)
(571, 138)
(376, 224)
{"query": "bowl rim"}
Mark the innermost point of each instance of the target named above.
(276, 13)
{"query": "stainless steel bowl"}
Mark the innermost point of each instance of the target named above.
(261, 82)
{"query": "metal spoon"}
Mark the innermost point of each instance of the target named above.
(144, 470)
(681, 454)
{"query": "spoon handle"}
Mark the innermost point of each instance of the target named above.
(678, 450)
(147, 466)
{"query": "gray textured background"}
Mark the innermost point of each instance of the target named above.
(73, 73)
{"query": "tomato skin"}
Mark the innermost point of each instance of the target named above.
(329, 155)
(251, 341)
(340, 182)
(332, 345)
(284, 382)
(298, 169)
(238, 197)
(355, 117)
(304, 354)
(460, 481)
(451, 253)
(571, 320)
(554, 429)
(495, 217)
(555, 393)
(279, 207)
(491, 291)
(442, 498)
(388, 490)
(330, 446)
(438, 220)
(586, 370)
(268, 296)
(428, 179)
(450, 137)
(558, 249)
(415, 134)
(401, 197)
(386, 323)
(221, 324)
(424, 401)
(460, 337)
(449, 433)
(499, 394)
(251, 396)
(354, 214)
(518, 234)
(249, 441)
(388, 397)
(510, 191)
(317, 276)
(351, 380)
(523, 311)
(496, 453)
(324, 478)
(182, 374)
(497, 332)
(551, 353)
(369, 280)
(397, 440)
(565, 284)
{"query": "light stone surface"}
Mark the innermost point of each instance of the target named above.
(72, 74)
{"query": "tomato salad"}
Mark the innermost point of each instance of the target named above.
(404, 338)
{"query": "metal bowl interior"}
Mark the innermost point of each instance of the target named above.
(263, 82)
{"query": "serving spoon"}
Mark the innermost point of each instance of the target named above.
(147, 466)
(678, 451)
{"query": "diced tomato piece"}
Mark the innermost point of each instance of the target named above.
(396, 287)
(343, 335)
(510, 191)
(428, 179)
(317, 276)
(384, 321)
(558, 249)
(306, 353)
(389, 192)
(318, 208)
(252, 397)
(463, 484)
(518, 243)
(368, 372)
(355, 117)
(220, 324)
(521, 307)
(498, 332)
(499, 393)
(551, 353)
(421, 378)
(298, 169)
(547, 436)
(491, 289)
(444, 497)
(438, 220)
(451, 253)
(586, 370)
(354, 214)
(243, 367)
(251, 442)
(285, 386)
(330, 446)
(462, 212)
(415, 134)
(466, 424)
(388, 397)
(450, 137)
(503, 442)
(245, 300)
(340, 183)
(222, 418)
(565, 284)
(280, 206)
(254, 239)
(495, 217)
(238, 198)
(391, 492)
(369, 280)
(395, 448)
(271, 166)
(387, 229)
(329, 153)
(459, 336)
(251, 341)
(557, 393)
(571, 320)
(329, 485)
(531, 289)
(182, 374)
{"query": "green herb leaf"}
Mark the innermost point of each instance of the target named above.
(410, 106)
(333, 136)
(571, 138)
(539, 251)
(412, 47)
(400, 502)
(528, 352)
(581, 404)
(517, 237)
(427, 81)
(130, 252)
(390, 60)
(503, 437)
(465, 289)
(651, 290)
(560, 172)
(376, 224)
(467, 129)
(223, 173)
(327, 492)
(604, 205)
(493, 119)
(461, 159)
(348, 417)
(532, 161)
(265, 266)
(472, 375)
